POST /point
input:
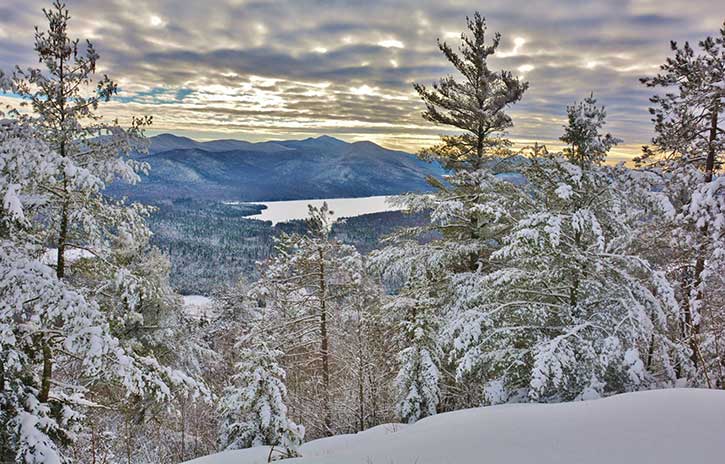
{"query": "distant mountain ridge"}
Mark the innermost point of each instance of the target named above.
(321, 167)
(167, 142)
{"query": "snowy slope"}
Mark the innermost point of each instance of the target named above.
(198, 306)
(663, 427)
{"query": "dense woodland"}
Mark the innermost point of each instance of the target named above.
(583, 281)
(210, 244)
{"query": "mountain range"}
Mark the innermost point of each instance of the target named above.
(235, 170)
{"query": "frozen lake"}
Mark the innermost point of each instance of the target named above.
(281, 211)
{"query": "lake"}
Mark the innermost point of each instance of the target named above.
(281, 211)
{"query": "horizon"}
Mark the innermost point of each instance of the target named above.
(614, 156)
(291, 70)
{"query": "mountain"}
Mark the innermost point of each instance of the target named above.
(322, 167)
(167, 142)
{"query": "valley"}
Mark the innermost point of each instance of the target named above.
(212, 244)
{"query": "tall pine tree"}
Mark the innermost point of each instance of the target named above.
(57, 159)
(687, 151)
(464, 219)
(474, 103)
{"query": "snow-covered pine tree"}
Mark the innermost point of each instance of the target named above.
(65, 96)
(474, 207)
(418, 379)
(475, 104)
(54, 195)
(253, 408)
(43, 403)
(687, 151)
(303, 290)
(568, 312)
(585, 143)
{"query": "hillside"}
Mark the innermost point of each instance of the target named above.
(664, 426)
(322, 167)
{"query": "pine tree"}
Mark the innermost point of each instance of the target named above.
(253, 408)
(582, 134)
(568, 311)
(56, 161)
(687, 151)
(418, 379)
(77, 214)
(475, 104)
(65, 97)
(303, 289)
(465, 217)
(40, 314)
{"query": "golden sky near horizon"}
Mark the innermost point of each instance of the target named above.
(278, 69)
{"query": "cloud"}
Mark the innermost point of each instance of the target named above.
(277, 69)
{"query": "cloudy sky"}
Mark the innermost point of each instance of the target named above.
(259, 70)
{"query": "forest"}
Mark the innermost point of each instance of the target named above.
(211, 244)
(584, 281)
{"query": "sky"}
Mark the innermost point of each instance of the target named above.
(261, 70)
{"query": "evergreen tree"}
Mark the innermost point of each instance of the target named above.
(474, 207)
(475, 104)
(43, 317)
(253, 408)
(418, 378)
(65, 97)
(569, 312)
(56, 161)
(582, 134)
(304, 289)
(687, 152)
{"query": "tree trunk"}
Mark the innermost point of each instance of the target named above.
(183, 429)
(700, 262)
(479, 148)
(63, 235)
(324, 348)
(361, 380)
(62, 238)
(47, 373)
(129, 445)
(710, 162)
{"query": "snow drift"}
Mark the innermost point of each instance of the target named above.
(664, 426)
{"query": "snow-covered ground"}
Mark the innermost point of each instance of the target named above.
(664, 427)
(198, 306)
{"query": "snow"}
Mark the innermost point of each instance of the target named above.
(199, 306)
(50, 257)
(564, 191)
(664, 426)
